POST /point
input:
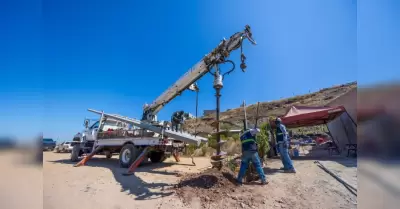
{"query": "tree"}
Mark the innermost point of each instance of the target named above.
(263, 140)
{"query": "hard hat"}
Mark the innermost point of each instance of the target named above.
(278, 120)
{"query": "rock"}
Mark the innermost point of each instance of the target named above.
(242, 205)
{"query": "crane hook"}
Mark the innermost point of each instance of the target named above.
(243, 64)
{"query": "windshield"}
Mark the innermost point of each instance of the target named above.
(47, 140)
(95, 125)
(67, 142)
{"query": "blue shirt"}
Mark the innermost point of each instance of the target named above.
(281, 134)
(248, 139)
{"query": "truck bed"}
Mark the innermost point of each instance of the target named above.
(181, 136)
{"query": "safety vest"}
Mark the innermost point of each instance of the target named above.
(248, 141)
(280, 135)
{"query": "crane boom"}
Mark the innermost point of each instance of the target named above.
(217, 56)
(194, 74)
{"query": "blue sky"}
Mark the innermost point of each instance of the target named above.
(61, 57)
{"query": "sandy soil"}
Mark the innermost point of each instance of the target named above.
(20, 182)
(100, 184)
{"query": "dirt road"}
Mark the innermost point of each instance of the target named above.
(100, 184)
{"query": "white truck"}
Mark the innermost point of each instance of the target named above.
(64, 147)
(116, 136)
(136, 140)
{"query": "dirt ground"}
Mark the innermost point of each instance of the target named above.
(100, 184)
(20, 182)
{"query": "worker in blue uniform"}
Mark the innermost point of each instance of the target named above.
(250, 154)
(283, 144)
(177, 120)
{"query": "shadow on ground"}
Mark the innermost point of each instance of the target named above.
(271, 171)
(133, 185)
(230, 177)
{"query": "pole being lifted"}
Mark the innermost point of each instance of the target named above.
(245, 116)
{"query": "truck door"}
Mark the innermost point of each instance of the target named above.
(91, 133)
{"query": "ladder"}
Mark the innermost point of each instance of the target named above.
(182, 136)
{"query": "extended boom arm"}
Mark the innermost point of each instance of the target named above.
(217, 56)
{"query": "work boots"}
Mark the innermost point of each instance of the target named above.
(264, 182)
(290, 171)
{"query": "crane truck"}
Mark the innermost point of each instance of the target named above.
(137, 140)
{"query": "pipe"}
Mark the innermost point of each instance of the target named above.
(218, 95)
(347, 185)
(197, 106)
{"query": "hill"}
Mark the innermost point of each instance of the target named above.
(232, 119)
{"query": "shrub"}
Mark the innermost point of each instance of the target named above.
(263, 140)
(190, 149)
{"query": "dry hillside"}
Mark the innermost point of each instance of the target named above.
(233, 117)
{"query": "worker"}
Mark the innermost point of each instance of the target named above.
(283, 144)
(177, 120)
(250, 154)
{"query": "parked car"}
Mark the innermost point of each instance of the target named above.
(7, 143)
(48, 144)
(57, 149)
(64, 147)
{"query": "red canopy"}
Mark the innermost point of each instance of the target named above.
(298, 116)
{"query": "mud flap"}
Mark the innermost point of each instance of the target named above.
(88, 157)
(175, 153)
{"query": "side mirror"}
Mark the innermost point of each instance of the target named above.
(86, 123)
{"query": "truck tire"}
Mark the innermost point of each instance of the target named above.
(128, 155)
(157, 156)
(108, 154)
(75, 153)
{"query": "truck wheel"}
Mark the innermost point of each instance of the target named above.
(157, 156)
(75, 153)
(128, 155)
(108, 154)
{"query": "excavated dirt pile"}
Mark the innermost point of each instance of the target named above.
(216, 189)
(210, 185)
